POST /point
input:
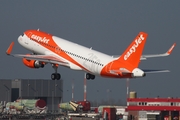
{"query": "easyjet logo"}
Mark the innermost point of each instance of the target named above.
(138, 41)
(39, 38)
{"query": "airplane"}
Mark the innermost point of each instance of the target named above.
(47, 48)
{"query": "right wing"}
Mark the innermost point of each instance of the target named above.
(144, 57)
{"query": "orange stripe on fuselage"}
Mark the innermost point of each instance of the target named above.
(46, 40)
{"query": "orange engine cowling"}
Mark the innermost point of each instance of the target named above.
(33, 63)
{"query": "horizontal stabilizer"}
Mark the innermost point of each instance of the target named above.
(155, 71)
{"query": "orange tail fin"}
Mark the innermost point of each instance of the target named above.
(133, 53)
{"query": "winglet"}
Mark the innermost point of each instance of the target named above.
(171, 49)
(8, 51)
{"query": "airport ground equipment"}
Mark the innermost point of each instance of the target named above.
(79, 106)
(27, 106)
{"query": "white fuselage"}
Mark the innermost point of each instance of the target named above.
(47, 48)
(88, 59)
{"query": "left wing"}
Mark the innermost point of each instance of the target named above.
(43, 58)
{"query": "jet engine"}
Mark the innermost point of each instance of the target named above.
(33, 63)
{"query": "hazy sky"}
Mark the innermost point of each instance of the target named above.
(107, 26)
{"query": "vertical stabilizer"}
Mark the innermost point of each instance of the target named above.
(134, 51)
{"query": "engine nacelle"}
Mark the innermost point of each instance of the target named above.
(33, 63)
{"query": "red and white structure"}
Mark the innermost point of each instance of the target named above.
(165, 108)
(153, 104)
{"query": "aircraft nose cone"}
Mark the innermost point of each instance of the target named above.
(20, 39)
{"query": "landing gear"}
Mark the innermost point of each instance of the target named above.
(42, 65)
(90, 76)
(55, 76)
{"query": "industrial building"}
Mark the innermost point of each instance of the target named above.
(28, 91)
(50, 91)
(153, 108)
